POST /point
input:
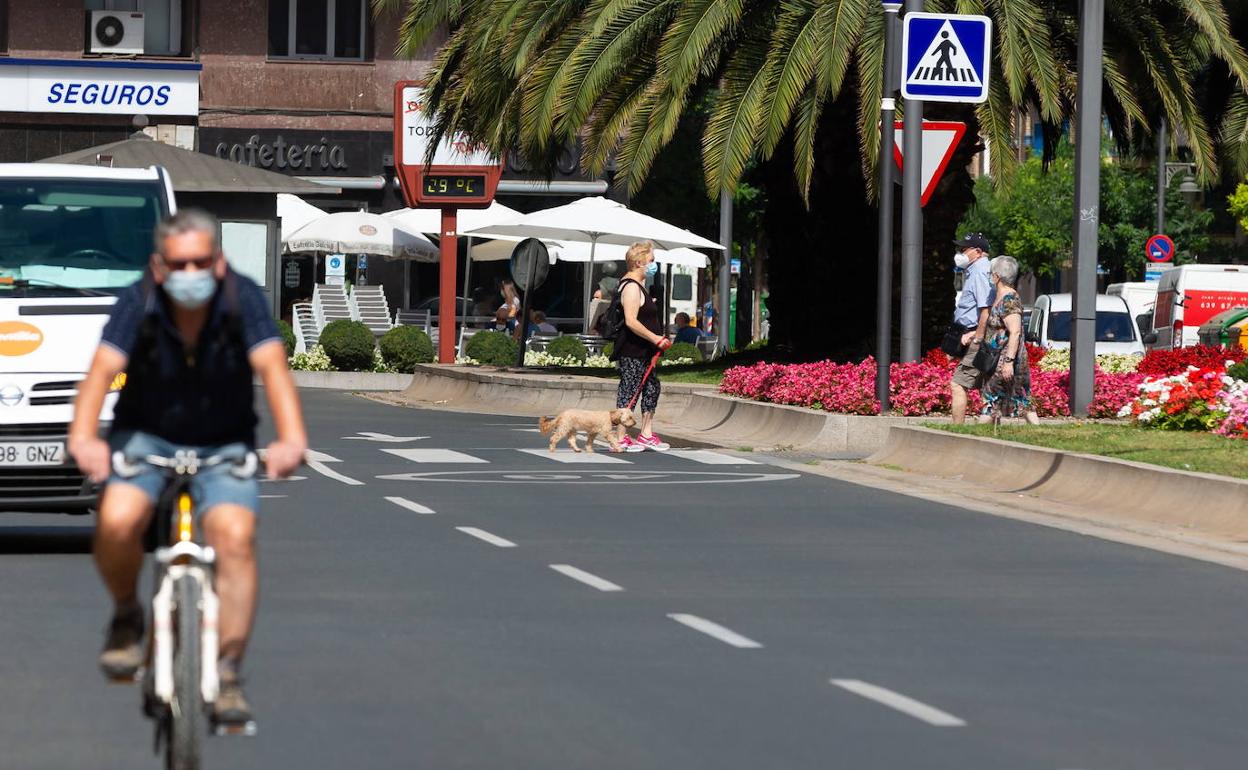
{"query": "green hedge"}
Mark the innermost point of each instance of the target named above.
(405, 346)
(568, 347)
(349, 345)
(683, 350)
(288, 336)
(492, 348)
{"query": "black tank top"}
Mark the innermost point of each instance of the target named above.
(631, 345)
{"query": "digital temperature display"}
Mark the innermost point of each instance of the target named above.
(453, 185)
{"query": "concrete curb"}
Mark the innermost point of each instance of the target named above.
(694, 412)
(1118, 490)
(358, 381)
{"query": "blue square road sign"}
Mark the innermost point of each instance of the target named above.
(946, 57)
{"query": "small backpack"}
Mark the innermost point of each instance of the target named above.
(611, 325)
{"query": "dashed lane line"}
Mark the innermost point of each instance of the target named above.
(579, 458)
(715, 631)
(403, 502)
(434, 456)
(587, 578)
(488, 537)
(898, 702)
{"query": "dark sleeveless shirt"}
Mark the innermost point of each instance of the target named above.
(630, 344)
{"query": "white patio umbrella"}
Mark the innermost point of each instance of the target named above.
(429, 222)
(358, 232)
(295, 212)
(565, 251)
(597, 221)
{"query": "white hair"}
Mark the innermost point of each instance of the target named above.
(1006, 268)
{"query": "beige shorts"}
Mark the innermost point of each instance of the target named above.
(967, 375)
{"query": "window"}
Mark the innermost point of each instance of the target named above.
(1110, 327)
(682, 287)
(162, 22)
(317, 29)
(246, 247)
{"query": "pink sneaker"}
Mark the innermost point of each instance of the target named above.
(628, 444)
(652, 442)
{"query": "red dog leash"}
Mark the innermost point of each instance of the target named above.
(644, 377)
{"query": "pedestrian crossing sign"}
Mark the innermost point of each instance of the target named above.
(945, 57)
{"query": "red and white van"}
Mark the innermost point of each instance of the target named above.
(1189, 295)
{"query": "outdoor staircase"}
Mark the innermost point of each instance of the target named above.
(307, 333)
(368, 304)
(329, 303)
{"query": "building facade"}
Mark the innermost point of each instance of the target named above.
(298, 87)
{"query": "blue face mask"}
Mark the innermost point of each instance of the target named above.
(190, 291)
(652, 269)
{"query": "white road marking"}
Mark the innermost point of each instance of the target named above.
(526, 430)
(588, 579)
(434, 456)
(385, 438)
(316, 461)
(492, 539)
(270, 497)
(707, 457)
(894, 700)
(568, 456)
(267, 480)
(715, 630)
(409, 505)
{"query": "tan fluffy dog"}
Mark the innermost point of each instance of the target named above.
(594, 423)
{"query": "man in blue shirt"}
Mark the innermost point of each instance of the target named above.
(190, 335)
(971, 314)
(687, 333)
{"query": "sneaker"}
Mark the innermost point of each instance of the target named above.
(123, 649)
(629, 444)
(231, 707)
(653, 443)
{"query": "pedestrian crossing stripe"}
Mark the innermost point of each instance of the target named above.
(946, 57)
(563, 456)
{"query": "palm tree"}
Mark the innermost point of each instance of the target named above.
(786, 80)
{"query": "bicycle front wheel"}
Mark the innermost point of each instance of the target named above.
(188, 721)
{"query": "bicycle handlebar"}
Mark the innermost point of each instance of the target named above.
(186, 462)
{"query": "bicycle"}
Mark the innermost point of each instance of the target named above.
(180, 683)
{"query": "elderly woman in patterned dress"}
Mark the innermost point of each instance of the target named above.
(1007, 391)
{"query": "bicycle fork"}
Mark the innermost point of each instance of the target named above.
(184, 558)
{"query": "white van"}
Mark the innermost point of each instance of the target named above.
(1189, 295)
(1116, 331)
(1140, 296)
(71, 238)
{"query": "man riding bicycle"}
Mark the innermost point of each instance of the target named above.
(190, 335)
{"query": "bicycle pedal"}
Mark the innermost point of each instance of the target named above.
(247, 729)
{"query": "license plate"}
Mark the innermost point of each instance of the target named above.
(32, 453)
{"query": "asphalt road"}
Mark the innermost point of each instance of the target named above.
(765, 619)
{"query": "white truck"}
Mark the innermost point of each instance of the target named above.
(71, 238)
(1189, 295)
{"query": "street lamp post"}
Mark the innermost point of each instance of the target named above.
(912, 223)
(1087, 204)
(884, 271)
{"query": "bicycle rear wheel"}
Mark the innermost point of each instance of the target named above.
(187, 718)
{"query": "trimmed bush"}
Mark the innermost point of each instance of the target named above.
(288, 336)
(492, 348)
(568, 347)
(683, 350)
(349, 345)
(405, 346)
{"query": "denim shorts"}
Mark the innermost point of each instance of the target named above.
(210, 487)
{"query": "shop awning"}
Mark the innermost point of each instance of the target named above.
(191, 172)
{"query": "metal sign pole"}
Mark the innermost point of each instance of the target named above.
(884, 270)
(725, 270)
(1087, 205)
(912, 223)
(1161, 176)
(447, 304)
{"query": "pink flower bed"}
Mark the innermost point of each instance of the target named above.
(919, 388)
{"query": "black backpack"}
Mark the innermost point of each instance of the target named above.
(611, 325)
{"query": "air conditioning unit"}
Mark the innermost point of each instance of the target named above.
(115, 32)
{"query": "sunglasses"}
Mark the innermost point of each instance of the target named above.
(200, 263)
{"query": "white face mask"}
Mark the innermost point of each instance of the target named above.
(960, 260)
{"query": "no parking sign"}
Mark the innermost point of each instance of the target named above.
(1159, 248)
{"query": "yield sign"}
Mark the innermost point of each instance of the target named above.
(939, 142)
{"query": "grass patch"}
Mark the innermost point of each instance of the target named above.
(1202, 452)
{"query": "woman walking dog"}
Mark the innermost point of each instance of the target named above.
(637, 347)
